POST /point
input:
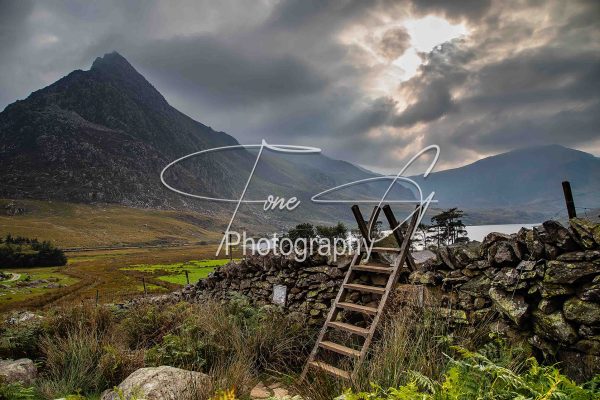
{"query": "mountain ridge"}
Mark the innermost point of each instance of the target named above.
(104, 135)
(528, 178)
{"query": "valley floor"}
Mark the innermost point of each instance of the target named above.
(112, 275)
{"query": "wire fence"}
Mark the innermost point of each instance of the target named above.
(143, 289)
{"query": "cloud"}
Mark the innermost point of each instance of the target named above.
(327, 73)
(394, 43)
(228, 74)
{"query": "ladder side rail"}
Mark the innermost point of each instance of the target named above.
(362, 226)
(387, 210)
(330, 316)
(404, 251)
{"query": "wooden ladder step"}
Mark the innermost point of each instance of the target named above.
(357, 308)
(385, 250)
(373, 268)
(357, 330)
(365, 288)
(340, 349)
(330, 369)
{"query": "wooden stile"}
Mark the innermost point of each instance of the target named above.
(339, 303)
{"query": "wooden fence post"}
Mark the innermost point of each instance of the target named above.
(97, 297)
(144, 283)
(569, 199)
(187, 277)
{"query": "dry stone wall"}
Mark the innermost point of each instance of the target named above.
(543, 283)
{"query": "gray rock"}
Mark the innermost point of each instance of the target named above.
(587, 255)
(478, 286)
(586, 232)
(589, 346)
(425, 278)
(535, 247)
(548, 306)
(590, 291)
(569, 272)
(501, 254)
(159, 383)
(553, 327)
(581, 311)
(511, 305)
(549, 290)
(557, 235)
(22, 370)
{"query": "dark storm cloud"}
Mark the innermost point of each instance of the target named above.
(470, 9)
(12, 19)
(394, 43)
(306, 71)
(229, 74)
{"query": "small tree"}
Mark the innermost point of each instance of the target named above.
(332, 232)
(302, 231)
(448, 226)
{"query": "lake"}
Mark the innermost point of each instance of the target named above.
(478, 232)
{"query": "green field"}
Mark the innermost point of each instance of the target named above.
(175, 273)
(18, 290)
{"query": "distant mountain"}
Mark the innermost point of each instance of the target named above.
(519, 182)
(105, 134)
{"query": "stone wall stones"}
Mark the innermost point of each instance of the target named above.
(544, 282)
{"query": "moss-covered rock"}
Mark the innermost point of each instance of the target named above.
(583, 312)
(511, 305)
(586, 232)
(554, 326)
(569, 272)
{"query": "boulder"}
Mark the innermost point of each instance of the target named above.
(535, 247)
(557, 235)
(501, 254)
(478, 286)
(490, 239)
(589, 346)
(548, 306)
(462, 256)
(586, 232)
(590, 291)
(586, 255)
(583, 312)
(425, 278)
(569, 272)
(22, 370)
(553, 327)
(511, 305)
(549, 290)
(444, 254)
(159, 383)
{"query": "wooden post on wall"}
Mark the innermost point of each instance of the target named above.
(569, 199)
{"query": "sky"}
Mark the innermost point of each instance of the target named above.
(370, 82)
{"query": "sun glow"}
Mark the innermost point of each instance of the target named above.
(424, 35)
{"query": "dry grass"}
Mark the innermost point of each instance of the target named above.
(103, 271)
(70, 225)
(89, 349)
(412, 339)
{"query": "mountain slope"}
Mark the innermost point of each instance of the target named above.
(105, 134)
(528, 179)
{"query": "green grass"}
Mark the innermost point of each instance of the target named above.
(15, 293)
(175, 273)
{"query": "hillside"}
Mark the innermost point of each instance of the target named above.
(104, 135)
(526, 180)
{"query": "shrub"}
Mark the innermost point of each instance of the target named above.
(16, 391)
(24, 252)
(475, 376)
(71, 364)
(21, 340)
